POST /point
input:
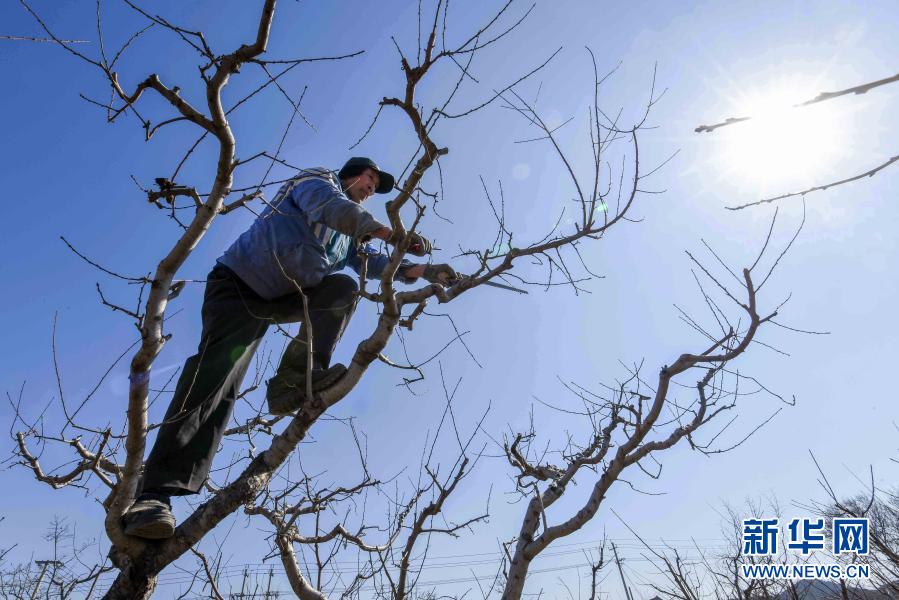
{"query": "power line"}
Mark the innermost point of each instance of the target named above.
(474, 559)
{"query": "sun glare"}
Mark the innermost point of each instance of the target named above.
(780, 142)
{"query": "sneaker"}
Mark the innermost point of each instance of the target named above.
(150, 517)
(287, 391)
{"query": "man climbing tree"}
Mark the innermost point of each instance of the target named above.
(283, 269)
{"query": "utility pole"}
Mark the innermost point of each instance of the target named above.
(243, 587)
(627, 591)
(268, 587)
(44, 565)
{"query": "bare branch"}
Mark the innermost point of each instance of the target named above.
(24, 38)
(818, 188)
(859, 89)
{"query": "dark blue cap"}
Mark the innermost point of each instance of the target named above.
(358, 164)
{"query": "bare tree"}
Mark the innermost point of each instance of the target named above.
(316, 526)
(116, 459)
(707, 574)
(629, 426)
(61, 571)
(881, 507)
(700, 573)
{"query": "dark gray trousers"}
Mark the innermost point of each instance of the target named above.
(235, 320)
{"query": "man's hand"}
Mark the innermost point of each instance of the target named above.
(419, 245)
(437, 273)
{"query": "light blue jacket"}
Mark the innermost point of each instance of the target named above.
(310, 229)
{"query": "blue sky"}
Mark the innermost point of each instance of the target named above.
(66, 173)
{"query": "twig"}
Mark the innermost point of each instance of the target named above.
(818, 188)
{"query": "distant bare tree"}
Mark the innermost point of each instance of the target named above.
(699, 574)
(880, 505)
(64, 572)
(702, 574)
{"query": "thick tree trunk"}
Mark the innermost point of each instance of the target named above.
(131, 584)
(518, 571)
(521, 559)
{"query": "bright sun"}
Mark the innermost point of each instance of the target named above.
(781, 143)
